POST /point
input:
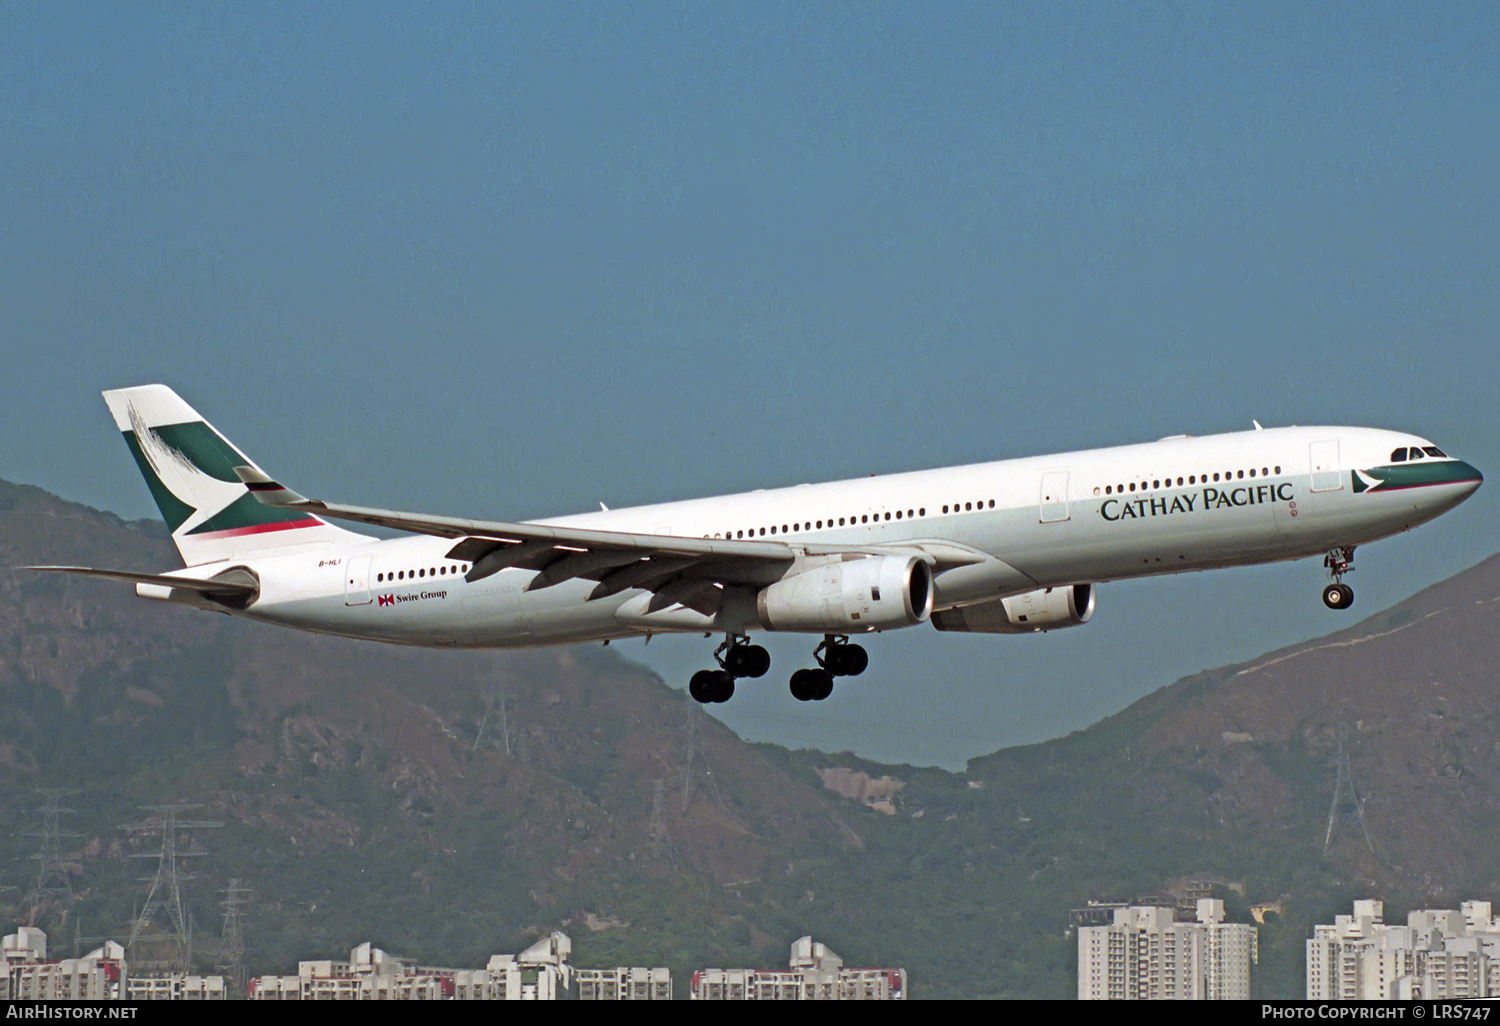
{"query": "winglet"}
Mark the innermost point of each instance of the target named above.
(267, 491)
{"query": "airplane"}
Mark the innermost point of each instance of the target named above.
(1011, 547)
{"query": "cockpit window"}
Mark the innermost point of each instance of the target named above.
(1415, 453)
(1433, 450)
(1398, 456)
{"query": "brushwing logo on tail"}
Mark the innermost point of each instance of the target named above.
(194, 482)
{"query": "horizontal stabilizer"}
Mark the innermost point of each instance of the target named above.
(271, 493)
(213, 586)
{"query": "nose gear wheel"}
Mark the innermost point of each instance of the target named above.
(1339, 562)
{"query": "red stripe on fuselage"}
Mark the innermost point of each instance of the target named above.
(280, 525)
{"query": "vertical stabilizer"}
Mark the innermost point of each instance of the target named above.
(189, 468)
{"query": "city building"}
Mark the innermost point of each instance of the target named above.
(29, 976)
(176, 987)
(539, 973)
(625, 983)
(813, 973)
(1147, 953)
(1438, 954)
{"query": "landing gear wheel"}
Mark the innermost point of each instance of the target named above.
(723, 686)
(846, 660)
(825, 686)
(1338, 596)
(839, 658)
(747, 661)
(703, 686)
(812, 685)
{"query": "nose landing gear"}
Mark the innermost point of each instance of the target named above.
(1339, 562)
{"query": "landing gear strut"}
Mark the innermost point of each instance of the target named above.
(736, 658)
(840, 658)
(1339, 562)
(740, 658)
(836, 658)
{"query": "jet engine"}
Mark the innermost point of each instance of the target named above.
(863, 594)
(1046, 609)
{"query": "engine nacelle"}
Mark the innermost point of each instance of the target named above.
(871, 593)
(1046, 609)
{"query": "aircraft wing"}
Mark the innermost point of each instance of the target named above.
(617, 560)
(686, 570)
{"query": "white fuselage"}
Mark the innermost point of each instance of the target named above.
(1164, 507)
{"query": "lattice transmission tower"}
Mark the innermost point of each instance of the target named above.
(52, 887)
(695, 757)
(231, 962)
(1348, 807)
(165, 895)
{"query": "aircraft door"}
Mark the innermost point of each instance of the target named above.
(1054, 499)
(1326, 475)
(357, 581)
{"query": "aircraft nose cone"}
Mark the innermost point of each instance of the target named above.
(1475, 479)
(1464, 480)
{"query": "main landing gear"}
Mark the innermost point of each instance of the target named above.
(836, 658)
(736, 658)
(1339, 562)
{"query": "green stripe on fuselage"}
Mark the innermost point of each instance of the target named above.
(1419, 474)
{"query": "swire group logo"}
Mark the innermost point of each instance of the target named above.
(387, 600)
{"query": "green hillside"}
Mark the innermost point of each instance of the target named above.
(448, 806)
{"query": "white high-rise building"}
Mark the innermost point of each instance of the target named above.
(1146, 953)
(1439, 953)
(540, 973)
(814, 973)
(26, 975)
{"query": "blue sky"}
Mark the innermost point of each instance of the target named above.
(512, 261)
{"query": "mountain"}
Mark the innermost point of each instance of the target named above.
(451, 805)
(367, 790)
